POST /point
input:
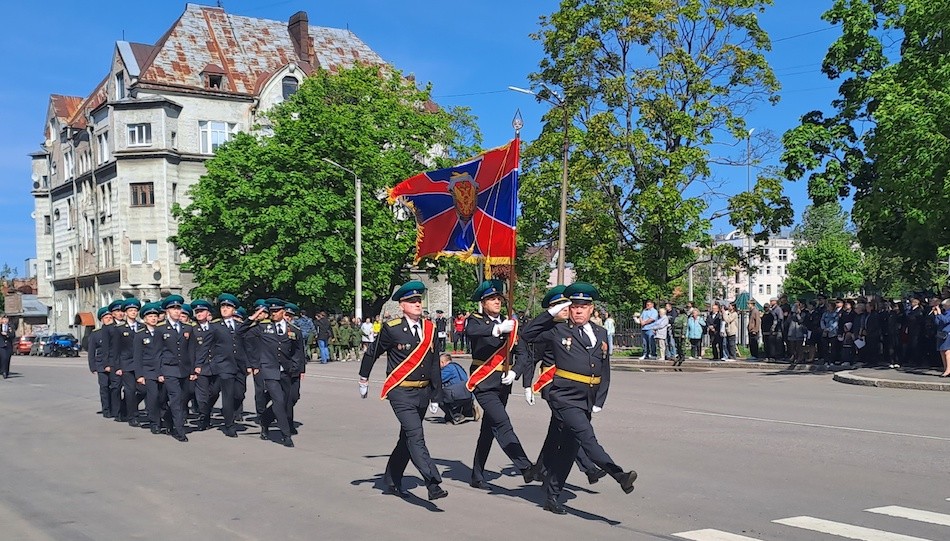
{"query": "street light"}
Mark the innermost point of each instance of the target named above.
(748, 181)
(359, 237)
(562, 227)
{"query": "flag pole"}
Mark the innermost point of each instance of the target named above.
(517, 123)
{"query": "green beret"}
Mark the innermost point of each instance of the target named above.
(200, 304)
(553, 296)
(151, 308)
(228, 299)
(488, 288)
(409, 290)
(102, 312)
(172, 301)
(581, 292)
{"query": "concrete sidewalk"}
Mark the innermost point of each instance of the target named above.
(925, 379)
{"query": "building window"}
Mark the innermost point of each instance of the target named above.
(783, 254)
(215, 82)
(761, 289)
(69, 164)
(47, 225)
(143, 194)
(214, 134)
(765, 252)
(174, 192)
(151, 251)
(289, 86)
(70, 214)
(140, 135)
(135, 252)
(737, 277)
(119, 86)
(103, 142)
(768, 270)
(768, 289)
(49, 268)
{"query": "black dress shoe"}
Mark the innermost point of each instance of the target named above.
(594, 476)
(203, 425)
(181, 437)
(554, 507)
(120, 419)
(230, 432)
(107, 415)
(436, 492)
(134, 422)
(264, 434)
(397, 491)
(287, 441)
(532, 473)
(293, 431)
(156, 430)
(626, 482)
(479, 484)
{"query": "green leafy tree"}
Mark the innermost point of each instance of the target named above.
(826, 259)
(885, 143)
(270, 216)
(648, 88)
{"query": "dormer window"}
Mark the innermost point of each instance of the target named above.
(214, 81)
(120, 86)
(289, 86)
(213, 77)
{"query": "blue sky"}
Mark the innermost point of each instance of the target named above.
(469, 51)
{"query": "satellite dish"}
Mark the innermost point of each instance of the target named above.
(156, 265)
(36, 185)
(35, 177)
(33, 215)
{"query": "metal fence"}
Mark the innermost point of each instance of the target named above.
(629, 334)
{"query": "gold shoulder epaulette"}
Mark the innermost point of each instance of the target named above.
(476, 314)
(216, 320)
(265, 320)
(394, 322)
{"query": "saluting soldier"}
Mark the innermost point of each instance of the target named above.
(278, 348)
(545, 357)
(147, 356)
(233, 314)
(222, 365)
(494, 339)
(98, 356)
(295, 375)
(260, 386)
(177, 362)
(578, 384)
(126, 327)
(413, 383)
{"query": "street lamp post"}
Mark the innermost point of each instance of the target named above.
(358, 308)
(562, 226)
(748, 181)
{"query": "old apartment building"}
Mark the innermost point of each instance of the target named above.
(113, 163)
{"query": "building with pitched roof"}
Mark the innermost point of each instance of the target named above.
(115, 162)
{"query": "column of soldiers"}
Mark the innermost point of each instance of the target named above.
(168, 353)
(574, 380)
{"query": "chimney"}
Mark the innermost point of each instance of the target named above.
(299, 29)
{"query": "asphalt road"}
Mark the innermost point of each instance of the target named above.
(721, 454)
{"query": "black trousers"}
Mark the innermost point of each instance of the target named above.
(207, 390)
(278, 406)
(105, 393)
(583, 462)
(496, 425)
(574, 431)
(291, 383)
(410, 404)
(117, 406)
(176, 399)
(154, 399)
(260, 394)
(240, 391)
(134, 393)
(754, 345)
(5, 355)
(715, 341)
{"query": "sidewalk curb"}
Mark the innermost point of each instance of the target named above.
(854, 379)
(720, 364)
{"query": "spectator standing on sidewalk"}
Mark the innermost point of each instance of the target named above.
(730, 320)
(777, 329)
(755, 330)
(714, 330)
(796, 332)
(679, 335)
(695, 328)
(829, 328)
(611, 327)
(941, 316)
(648, 316)
(913, 325)
(661, 330)
(845, 334)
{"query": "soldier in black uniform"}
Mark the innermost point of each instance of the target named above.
(279, 351)
(98, 356)
(206, 385)
(544, 356)
(295, 376)
(115, 380)
(260, 387)
(121, 352)
(409, 393)
(7, 343)
(441, 329)
(487, 332)
(147, 355)
(578, 389)
(232, 314)
(218, 362)
(177, 354)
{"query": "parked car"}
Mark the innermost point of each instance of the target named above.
(25, 344)
(62, 345)
(40, 345)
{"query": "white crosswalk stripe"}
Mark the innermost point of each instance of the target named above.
(912, 514)
(841, 529)
(713, 535)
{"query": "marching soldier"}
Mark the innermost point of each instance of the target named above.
(222, 365)
(98, 356)
(494, 339)
(206, 385)
(177, 358)
(234, 315)
(296, 374)
(260, 387)
(7, 343)
(413, 383)
(578, 384)
(126, 326)
(147, 356)
(116, 400)
(278, 348)
(544, 356)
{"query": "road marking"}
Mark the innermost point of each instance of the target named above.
(816, 425)
(844, 530)
(912, 514)
(713, 535)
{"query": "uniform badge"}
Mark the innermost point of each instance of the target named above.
(147, 341)
(292, 335)
(126, 333)
(186, 335)
(166, 335)
(566, 342)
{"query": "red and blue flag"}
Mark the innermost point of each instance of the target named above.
(467, 211)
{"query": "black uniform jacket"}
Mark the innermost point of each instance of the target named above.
(569, 353)
(177, 350)
(274, 353)
(98, 349)
(397, 341)
(219, 350)
(478, 329)
(147, 353)
(121, 346)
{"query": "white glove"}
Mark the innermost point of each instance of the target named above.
(596, 409)
(529, 396)
(505, 326)
(556, 309)
(364, 389)
(508, 377)
(433, 408)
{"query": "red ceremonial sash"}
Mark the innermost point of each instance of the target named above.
(492, 363)
(546, 376)
(411, 362)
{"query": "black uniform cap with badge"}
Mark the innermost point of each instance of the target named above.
(410, 291)
(488, 289)
(291, 308)
(274, 304)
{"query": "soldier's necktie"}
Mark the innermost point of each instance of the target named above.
(280, 329)
(231, 325)
(415, 332)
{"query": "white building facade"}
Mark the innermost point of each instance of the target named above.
(768, 274)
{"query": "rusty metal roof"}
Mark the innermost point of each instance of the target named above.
(64, 106)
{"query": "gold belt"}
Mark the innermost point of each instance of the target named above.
(580, 378)
(416, 384)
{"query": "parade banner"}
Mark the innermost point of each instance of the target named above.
(412, 361)
(467, 211)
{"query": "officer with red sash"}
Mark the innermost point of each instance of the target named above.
(413, 383)
(493, 339)
(578, 387)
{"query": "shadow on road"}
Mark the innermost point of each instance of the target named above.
(408, 483)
